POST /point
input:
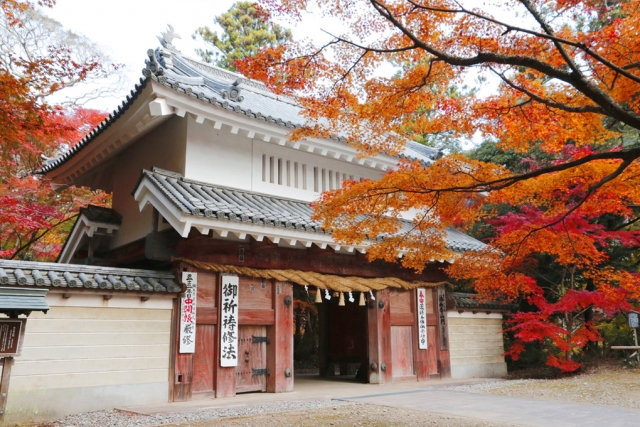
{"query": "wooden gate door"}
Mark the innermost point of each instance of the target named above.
(251, 373)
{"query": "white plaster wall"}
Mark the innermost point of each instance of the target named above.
(164, 147)
(216, 156)
(88, 353)
(476, 345)
(261, 148)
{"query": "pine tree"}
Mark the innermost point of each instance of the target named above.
(246, 27)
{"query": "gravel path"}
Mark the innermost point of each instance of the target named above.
(115, 418)
(355, 414)
(609, 385)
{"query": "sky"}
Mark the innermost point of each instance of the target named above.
(126, 29)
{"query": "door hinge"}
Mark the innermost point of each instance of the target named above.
(258, 340)
(256, 372)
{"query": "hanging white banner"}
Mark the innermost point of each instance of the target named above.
(422, 319)
(229, 321)
(188, 313)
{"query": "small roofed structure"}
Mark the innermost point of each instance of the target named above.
(90, 233)
(17, 302)
(475, 335)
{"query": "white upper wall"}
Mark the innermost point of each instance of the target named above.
(219, 157)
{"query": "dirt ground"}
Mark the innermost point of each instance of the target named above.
(357, 414)
(607, 384)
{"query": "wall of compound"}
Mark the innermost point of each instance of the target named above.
(88, 353)
(476, 345)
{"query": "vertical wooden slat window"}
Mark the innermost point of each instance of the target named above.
(316, 180)
(304, 177)
(272, 168)
(288, 173)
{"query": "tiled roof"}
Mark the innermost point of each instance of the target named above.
(213, 85)
(100, 214)
(22, 301)
(206, 200)
(52, 275)
(460, 300)
(52, 163)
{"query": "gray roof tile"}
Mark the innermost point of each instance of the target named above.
(211, 84)
(22, 301)
(53, 275)
(207, 200)
(460, 300)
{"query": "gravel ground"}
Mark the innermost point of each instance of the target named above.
(303, 414)
(608, 385)
(605, 385)
(115, 418)
(351, 414)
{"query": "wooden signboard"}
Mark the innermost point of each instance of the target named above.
(11, 336)
(443, 323)
(188, 313)
(422, 318)
(229, 321)
(633, 320)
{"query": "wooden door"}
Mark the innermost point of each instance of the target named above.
(204, 359)
(251, 372)
(402, 351)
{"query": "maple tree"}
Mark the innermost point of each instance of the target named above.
(568, 76)
(33, 216)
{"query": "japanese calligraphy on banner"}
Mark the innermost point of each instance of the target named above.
(422, 319)
(229, 321)
(442, 318)
(188, 313)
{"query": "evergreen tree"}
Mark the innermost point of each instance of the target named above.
(246, 27)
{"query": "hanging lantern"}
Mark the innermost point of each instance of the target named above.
(318, 296)
(351, 299)
(326, 295)
(361, 302)
(341, 302)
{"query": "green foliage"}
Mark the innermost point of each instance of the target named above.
(246, 28)
(616, 332)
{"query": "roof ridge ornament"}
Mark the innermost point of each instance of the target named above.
(167, 37)
(152, 66)
(233, 93)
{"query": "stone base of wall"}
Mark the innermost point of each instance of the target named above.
(51, 404)
(485, 370)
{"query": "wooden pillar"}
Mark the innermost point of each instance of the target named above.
(7, 364)
(225, 378)
(323, 334)
(180, 365)
(440, 309)
(280, 335)
(379, 339)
